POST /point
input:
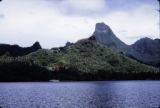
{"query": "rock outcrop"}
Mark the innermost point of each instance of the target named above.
(104, 35)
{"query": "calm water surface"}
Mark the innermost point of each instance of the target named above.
(106, 94)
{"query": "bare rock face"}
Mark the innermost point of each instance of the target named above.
(104, 35)
(144, 50)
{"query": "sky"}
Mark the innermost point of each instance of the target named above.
(54, 22)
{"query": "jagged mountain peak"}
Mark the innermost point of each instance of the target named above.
(145, 50)
(102, 27)
(37, 45)
(16, 50)
(104, 35)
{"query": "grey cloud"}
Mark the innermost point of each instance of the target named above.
(80, 8)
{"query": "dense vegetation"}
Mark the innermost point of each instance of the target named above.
(84, 60)
(21, 71)
(15, 50)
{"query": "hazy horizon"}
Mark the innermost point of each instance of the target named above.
(54, 22)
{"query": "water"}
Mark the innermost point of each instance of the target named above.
(106, 94)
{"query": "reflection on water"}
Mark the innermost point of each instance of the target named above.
(106, 94)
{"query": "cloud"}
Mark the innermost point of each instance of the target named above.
(137, 23)
(54, 22)
(83, 7)
(79, 7)
(27, 22)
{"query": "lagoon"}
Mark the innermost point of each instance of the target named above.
(93, 94)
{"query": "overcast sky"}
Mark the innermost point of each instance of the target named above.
(54, 22)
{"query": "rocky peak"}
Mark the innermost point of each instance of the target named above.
(104, 35)
(36, 45)
(145, 50)
(102, 27)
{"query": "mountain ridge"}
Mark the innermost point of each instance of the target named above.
(144, 50)
(16, 50)
(86, 59)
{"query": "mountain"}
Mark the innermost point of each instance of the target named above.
(15, 50)
(89, 60)
(83, 60)
(147, 51)
(96, 58)
(144, 50)
(104, 35)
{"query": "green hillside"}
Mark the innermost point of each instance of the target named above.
(86, 60)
